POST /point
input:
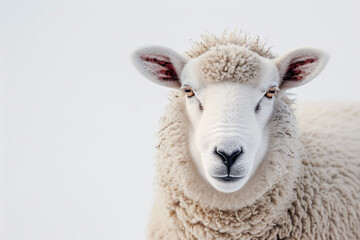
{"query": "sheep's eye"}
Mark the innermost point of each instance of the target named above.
(271, 92)
(189, 92)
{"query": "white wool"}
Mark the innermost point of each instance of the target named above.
(291, 195)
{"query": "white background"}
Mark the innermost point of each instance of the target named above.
(78, 124)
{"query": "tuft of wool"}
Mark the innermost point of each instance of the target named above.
(229, 63)
(209, 41)
(233, 56)
(307, 187)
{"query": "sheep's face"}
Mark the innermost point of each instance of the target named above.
(229, 119)
(229, 93)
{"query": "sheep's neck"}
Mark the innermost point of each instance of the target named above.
(192, 221)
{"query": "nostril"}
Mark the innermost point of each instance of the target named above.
(229, 159)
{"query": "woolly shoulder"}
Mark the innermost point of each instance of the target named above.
(330, 128)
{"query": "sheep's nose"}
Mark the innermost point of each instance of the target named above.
(229, 159)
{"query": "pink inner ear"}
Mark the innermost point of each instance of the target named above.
(162, 68)
(298, 70)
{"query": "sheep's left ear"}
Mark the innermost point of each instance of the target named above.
(160, 65)
(300, 66)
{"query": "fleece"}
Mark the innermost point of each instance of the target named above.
(307, 187)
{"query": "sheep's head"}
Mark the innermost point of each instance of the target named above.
(229, 92)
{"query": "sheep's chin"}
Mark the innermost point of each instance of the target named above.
(226, 187)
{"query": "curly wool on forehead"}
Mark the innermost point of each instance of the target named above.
(208, 41)
(230, 57)
(229, 63)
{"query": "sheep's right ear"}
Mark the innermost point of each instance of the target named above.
(160, 65)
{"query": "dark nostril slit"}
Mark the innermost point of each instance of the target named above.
(229, 159)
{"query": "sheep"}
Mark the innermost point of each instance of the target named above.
(234, 162)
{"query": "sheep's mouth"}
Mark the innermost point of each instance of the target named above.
(229, 178)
